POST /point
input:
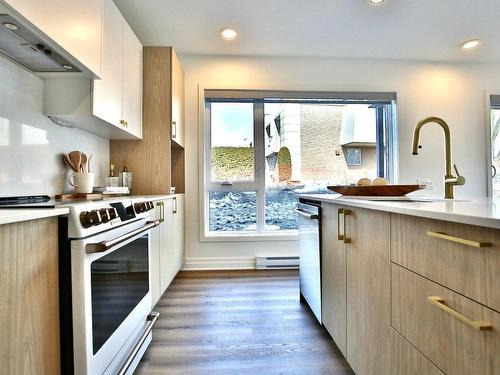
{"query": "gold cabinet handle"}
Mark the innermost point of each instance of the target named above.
(477, 324)
(346, 239)
(174, 205)
(174, 129)
(340, 211)
(462, 241)
(162, 211)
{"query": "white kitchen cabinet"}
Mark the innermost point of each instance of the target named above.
(132, 82)
(178, 231)
(112, 106)
(76, 26)
(167, 244)
(107, 92)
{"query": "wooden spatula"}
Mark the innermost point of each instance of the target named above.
(76, 159)
(68, 162)
(83, 165)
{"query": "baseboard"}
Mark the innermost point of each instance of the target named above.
(197, 264)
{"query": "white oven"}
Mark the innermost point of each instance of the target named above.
(111, 318)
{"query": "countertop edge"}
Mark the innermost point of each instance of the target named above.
(469, 219)
(16, 215)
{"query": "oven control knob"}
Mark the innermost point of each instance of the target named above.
(90, 218)
(150, 205)
(104, 214)
(112, 213)
(140, 207)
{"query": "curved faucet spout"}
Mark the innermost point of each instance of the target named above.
(449, 180)
(447, 140)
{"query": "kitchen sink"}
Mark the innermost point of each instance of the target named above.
(412, 200)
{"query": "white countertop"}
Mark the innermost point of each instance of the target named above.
(15, 215)
(484, 212)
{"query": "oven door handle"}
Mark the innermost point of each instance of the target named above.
(151, 321)
(103, 246)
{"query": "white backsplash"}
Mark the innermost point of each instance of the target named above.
(31, 144)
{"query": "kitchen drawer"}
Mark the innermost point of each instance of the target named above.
(449, 342)
(469, 270)
(406, 360)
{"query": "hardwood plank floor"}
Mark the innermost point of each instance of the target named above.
(238, 322)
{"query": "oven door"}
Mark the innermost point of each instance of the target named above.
(111, 296)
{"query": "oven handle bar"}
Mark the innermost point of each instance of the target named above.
(152, 320)
(103, 246)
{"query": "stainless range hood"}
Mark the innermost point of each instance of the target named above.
(20, 45)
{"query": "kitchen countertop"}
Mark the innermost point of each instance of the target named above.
(14, 215)
(484, 212)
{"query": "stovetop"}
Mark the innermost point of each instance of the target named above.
(86, 218)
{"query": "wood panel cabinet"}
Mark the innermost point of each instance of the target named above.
(367, 235)
(29, 298)
(333, 276)
(406, 360)
(157, 161)
(448, 340)
(76, 26)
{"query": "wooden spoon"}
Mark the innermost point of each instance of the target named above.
(88, 163)
(68, 162)
(76, 159)
(84, 163)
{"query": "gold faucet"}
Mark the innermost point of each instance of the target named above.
(449, 180)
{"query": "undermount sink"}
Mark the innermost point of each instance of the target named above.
(412, 200)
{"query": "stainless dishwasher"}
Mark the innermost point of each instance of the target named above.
(310, 254)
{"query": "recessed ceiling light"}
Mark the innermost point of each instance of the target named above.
(228, 34)
(470, 44)
(376, 1)
(11, 26)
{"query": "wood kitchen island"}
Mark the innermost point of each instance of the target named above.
(412, 286)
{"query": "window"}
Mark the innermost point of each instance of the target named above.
(264, 147)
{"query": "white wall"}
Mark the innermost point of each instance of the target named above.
(31, 144)
(455, 92)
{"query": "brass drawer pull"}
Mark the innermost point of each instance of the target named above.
(340, 211)
(463, 241)
(477, 324)
(346, 239)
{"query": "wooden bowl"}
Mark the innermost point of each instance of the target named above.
(376, 190)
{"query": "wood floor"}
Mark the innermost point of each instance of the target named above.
(238, 322)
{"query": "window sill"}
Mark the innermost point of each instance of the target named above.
(292, 235)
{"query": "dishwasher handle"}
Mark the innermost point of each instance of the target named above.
(306, 214)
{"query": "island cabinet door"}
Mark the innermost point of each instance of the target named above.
(367, 237)
(333, 275)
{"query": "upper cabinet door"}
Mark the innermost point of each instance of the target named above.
(177, 101)
(132, 82)
(74, 25)
(107, 93)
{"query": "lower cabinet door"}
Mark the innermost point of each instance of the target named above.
(166, 246)
(406, 360)
(333, 279)
(368, 290)
(178, 232)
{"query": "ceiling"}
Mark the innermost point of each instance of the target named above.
(429, 30)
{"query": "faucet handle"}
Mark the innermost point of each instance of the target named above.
(460, 180)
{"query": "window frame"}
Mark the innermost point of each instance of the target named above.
(258, 97)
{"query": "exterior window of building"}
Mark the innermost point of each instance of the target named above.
(262, 151)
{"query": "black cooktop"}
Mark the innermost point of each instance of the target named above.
(28, 201)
